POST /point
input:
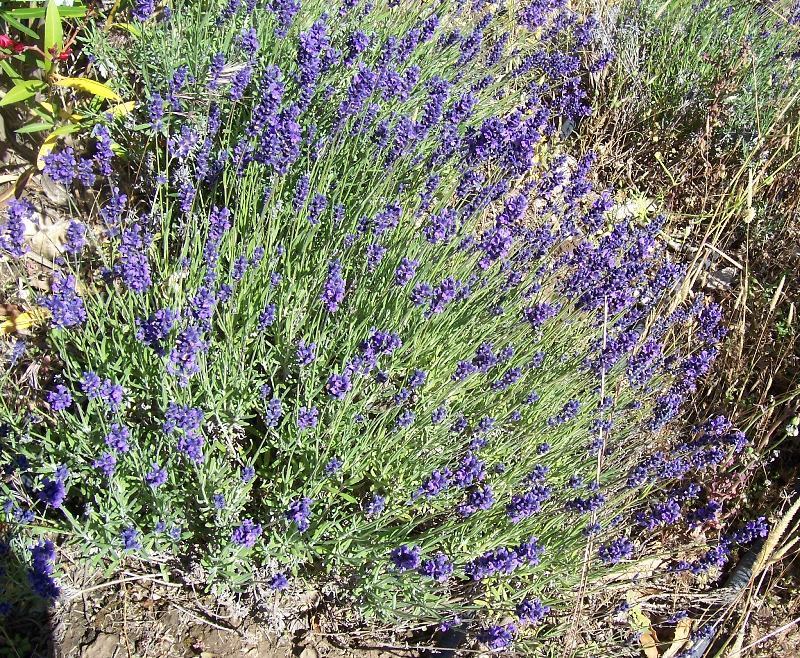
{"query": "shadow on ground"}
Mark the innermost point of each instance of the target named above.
(25, 620)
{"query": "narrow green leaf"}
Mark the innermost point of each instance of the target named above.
(34, 128)
(24, 13)
(53, 34)
(22, 91)
(9, 71)
(11, 19)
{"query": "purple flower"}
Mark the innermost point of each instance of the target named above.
(375, 254)
(438, 415)
(40, 575)
(219, 221)
(143, 9)
(60, 166)
(313, 51)
(437, 482)
(567, 413)
(333, 466)
(267, 317)
(278, 582)
(317, 206)
(114, 208)
(405, 558)
(186, 421)
(176, 85)
(439, 568)
(529, 503)
(405, 271)
(752, 530)
(338, 385)
(118, 437)
(306, 353)
(85, 173)
(357, 43)
(155, 111)
(665, 513)
(183, 357)
(505, 560)
(459, 424)
(405, 419)
(532, 611)
(471, 471)
(66, 308)
(54, 491)
(60, 398)
(246, 534)
(704, 513)
(479, 498)
(12, 233)
(498, 637)
(181, 417)
(378, 344)
(280, 141)
(307, 418)
(156, 329)
(300, 193)
(112, 394)
(184, 144)
(442, 227)
(615, 551)
(285, 11)
(709, 324)
(106, 464)
(248, 474)
(273, 412)
(156, 477)
(75, 238)
(299, 513)
(538, 314)
(248, 41)
(585, 505)
(133, 267)
(333, 290)
(417, 379)
(375, 506)
(443, 294)
(130, 539)
(214, 71)
(91, 385)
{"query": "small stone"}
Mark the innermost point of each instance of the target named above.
(103, 646)
(309, 652)
(56, 193)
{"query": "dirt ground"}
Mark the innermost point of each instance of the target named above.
(143, 618)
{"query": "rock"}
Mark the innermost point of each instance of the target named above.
(309, 652)
(633, 208)
(56, 193)
(104, 646)
(46, 237)
(722, 279)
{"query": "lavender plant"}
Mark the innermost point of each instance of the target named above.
(357, 321)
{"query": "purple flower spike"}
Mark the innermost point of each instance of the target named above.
(246, 534)
(405, 558)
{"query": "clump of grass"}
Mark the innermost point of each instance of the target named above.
(355, 320)
(703, 89)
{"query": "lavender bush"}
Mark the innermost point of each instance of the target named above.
(356, 320)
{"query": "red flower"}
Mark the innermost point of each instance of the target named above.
(7, 43)
(62, 56)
